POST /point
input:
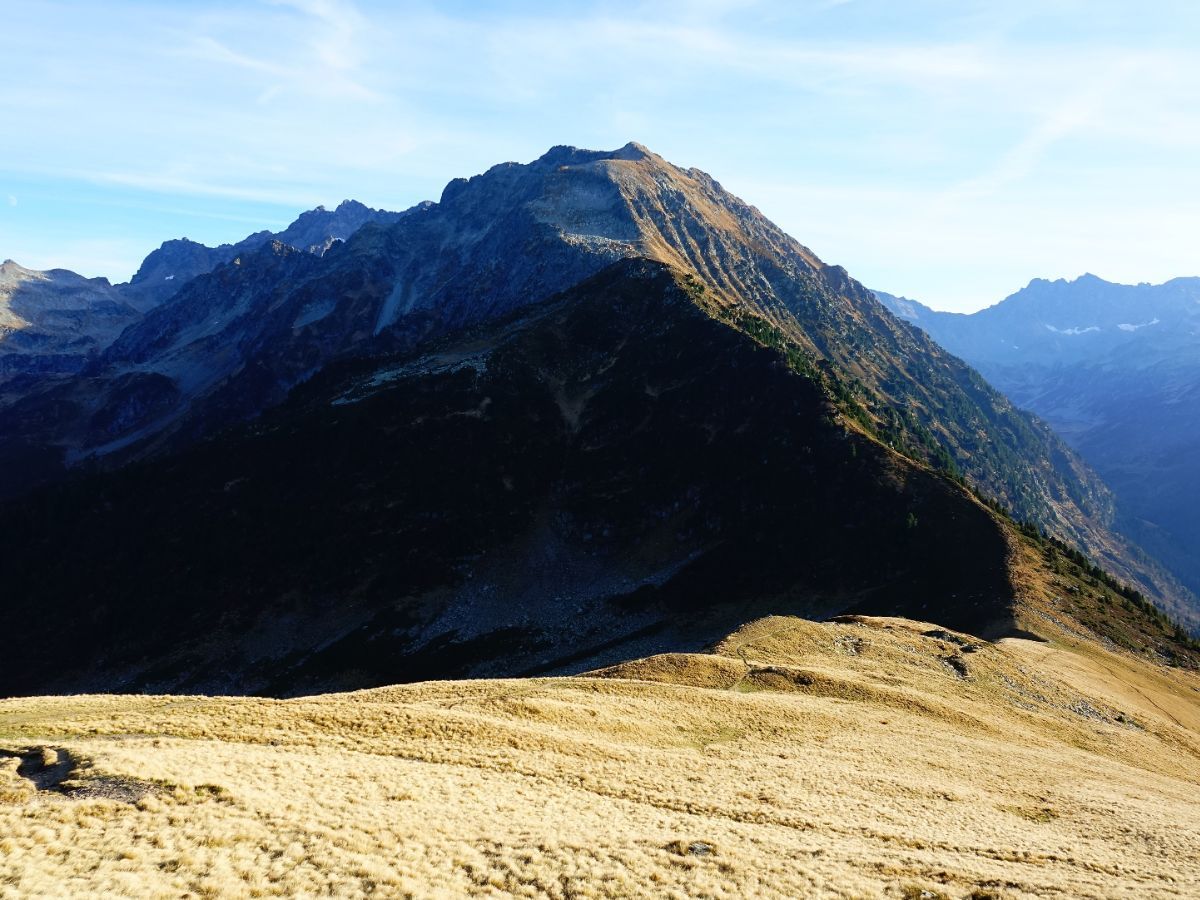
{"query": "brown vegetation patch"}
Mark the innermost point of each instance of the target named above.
(836, 774)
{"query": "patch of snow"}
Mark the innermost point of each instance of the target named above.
(1125, 326)
(1075, 330)
(169, 278)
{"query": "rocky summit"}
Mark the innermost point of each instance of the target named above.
(50, 322)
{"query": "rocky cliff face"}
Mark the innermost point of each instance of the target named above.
(319, 229)
(54, 322)
(54, 325)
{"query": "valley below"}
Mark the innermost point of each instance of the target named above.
(865, 757)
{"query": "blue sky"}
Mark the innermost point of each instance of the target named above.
(949, 151)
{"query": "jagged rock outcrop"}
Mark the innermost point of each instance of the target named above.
(54, 322)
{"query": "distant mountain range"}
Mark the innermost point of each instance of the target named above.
(579, 409)
(1113, 368)
(55, 321)
(175, 263)
(55, 325)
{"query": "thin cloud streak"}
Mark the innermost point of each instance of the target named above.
(928, 123)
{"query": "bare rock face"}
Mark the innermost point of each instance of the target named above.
(174, 264)
(319, 229)
(53, 322)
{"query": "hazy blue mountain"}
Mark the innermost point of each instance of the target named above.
(1113, 368)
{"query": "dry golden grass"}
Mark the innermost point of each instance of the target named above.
(860, 759)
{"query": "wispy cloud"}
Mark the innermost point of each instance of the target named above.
(209, 49)
(335, 40)
(168, 184)
(1074, 115)
(319, 50)
(885, 135)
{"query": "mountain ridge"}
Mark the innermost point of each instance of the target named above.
(56, 321)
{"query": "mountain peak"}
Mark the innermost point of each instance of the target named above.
(12, 268)
(585, 209)
(348, 205)
(565, 155)
(633, 151)
(12, 272)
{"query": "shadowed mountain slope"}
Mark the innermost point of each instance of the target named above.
(177, 262)
(610, 468)
(54, 323)
(610, 473)
(235, 341)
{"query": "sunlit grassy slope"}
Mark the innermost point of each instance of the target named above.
(864, 758)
